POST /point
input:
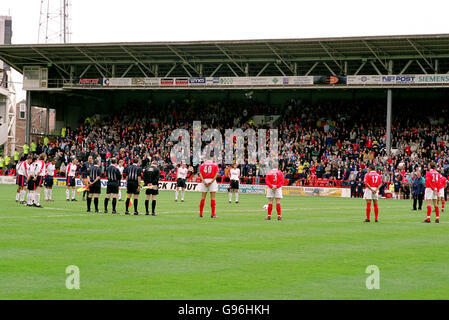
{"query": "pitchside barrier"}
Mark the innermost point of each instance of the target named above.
(222, 187)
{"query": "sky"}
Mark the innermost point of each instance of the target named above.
(180, 20)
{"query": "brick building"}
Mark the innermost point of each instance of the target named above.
(38, 123)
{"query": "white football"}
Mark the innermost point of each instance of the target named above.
(265, 207)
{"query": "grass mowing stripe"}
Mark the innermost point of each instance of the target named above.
(320, 250)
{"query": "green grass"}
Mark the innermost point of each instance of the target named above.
(319, 251)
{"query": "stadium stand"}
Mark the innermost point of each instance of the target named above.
(321, 144)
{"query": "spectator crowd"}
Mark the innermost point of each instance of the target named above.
(334, 140)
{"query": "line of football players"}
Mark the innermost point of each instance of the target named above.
(33, 174)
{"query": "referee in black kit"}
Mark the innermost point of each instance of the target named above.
(114, 178)
(94, 185)
(151, 179)
(133, 178)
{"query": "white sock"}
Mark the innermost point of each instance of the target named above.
(73, 194)
(67, 194)
(30, 197)
(119, 194)
(37, 198)
(46, 194)
(176, 195)
(17, 196)
(230, 197)
(49, 194)
(182, 195)
(236, 197)
(22, 195)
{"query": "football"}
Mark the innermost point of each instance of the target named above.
(265, 207)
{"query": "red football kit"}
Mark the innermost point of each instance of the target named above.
(274, 178)
(433, 180)
(208, 170)
(442, 182)
(373, 179)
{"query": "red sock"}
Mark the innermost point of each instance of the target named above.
(368, 210)
(278, 209)
(442, 204)
(437, 212)
(212, 206)
(201, 207)
(429, 210)
(376, 211)
(270, 208)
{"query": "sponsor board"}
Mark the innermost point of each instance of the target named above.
(432, 78)
(259, 81)
(171, 185)
(222, 187)
(212, 81)
(7, 180)
(104, 183)
(243, 188)
(181, 81)
(118, 82)
(166, 82)
(60, 182)
(312, 191)
(197, 81)
(151, 82)
(363, 79)
(234, 81)
(331, 80)
(281, 81)
(398, 79)
(90, 81)
(300, 80)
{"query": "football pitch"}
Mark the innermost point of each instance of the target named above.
(320, 250)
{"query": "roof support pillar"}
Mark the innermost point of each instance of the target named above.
(389, 111)
(28, 118)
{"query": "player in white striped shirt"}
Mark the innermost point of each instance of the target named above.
(234, 185)
(39, 173)
(21, 180)
(181, 176)
(70, 174)
(49, 180)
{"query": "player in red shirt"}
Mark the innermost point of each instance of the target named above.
(274, 180)
(431, 194)
(373, 181)
(443, 181)
(208, 175)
